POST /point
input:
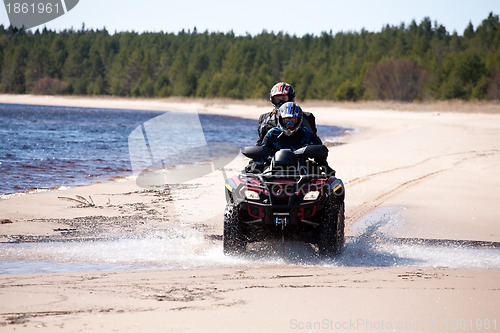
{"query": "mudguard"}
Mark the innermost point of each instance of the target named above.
(335, 186)
(232, 185)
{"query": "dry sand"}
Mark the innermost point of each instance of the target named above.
(438, 164)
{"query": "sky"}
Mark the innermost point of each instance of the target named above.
(252, 17)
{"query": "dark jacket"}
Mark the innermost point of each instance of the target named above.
(275, 139)
(270, 119)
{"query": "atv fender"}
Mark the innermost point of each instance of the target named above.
(335, 186)
(232, 187)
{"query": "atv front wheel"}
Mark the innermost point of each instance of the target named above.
(233, 241)
(331, 231)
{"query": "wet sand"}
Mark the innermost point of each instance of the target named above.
(437, 164)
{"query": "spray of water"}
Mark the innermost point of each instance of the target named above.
(371, 246)
(182, 247)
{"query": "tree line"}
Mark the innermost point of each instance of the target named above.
(407, 62)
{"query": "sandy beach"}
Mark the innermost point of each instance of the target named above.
(422, 220)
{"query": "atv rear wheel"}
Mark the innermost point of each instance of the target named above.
(234, 241)
(331, 231)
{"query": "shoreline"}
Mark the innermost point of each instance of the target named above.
(409, 165)
(187, 103)
(59, 101)
(442, 166)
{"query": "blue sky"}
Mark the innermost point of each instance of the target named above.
(292, 16)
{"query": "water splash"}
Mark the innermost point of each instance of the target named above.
(372, 246)
(182, 247)
(176, 248)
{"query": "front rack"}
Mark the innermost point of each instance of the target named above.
(264, 179)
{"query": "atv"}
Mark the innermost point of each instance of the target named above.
(292, 197)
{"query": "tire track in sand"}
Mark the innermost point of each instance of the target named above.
(379, 198)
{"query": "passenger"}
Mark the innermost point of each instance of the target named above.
(281, 93)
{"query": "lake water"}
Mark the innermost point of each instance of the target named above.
(45, 147)
(183, 247)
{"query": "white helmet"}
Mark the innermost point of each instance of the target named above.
(289, 117)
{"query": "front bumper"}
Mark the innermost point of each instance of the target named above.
(258, 212)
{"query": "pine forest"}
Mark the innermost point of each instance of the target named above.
(420, 61)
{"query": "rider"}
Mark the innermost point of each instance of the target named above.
(292, 134)
(281, 92)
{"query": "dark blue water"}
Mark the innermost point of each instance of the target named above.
(44, 147)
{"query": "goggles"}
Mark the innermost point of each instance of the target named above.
(279, 100)
(289, 122)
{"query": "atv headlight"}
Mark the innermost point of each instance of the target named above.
(251, 195)
(311, 195)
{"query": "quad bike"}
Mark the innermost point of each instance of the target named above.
(293, 197)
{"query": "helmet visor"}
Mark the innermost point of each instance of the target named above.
(279, 100)
(290, 122)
